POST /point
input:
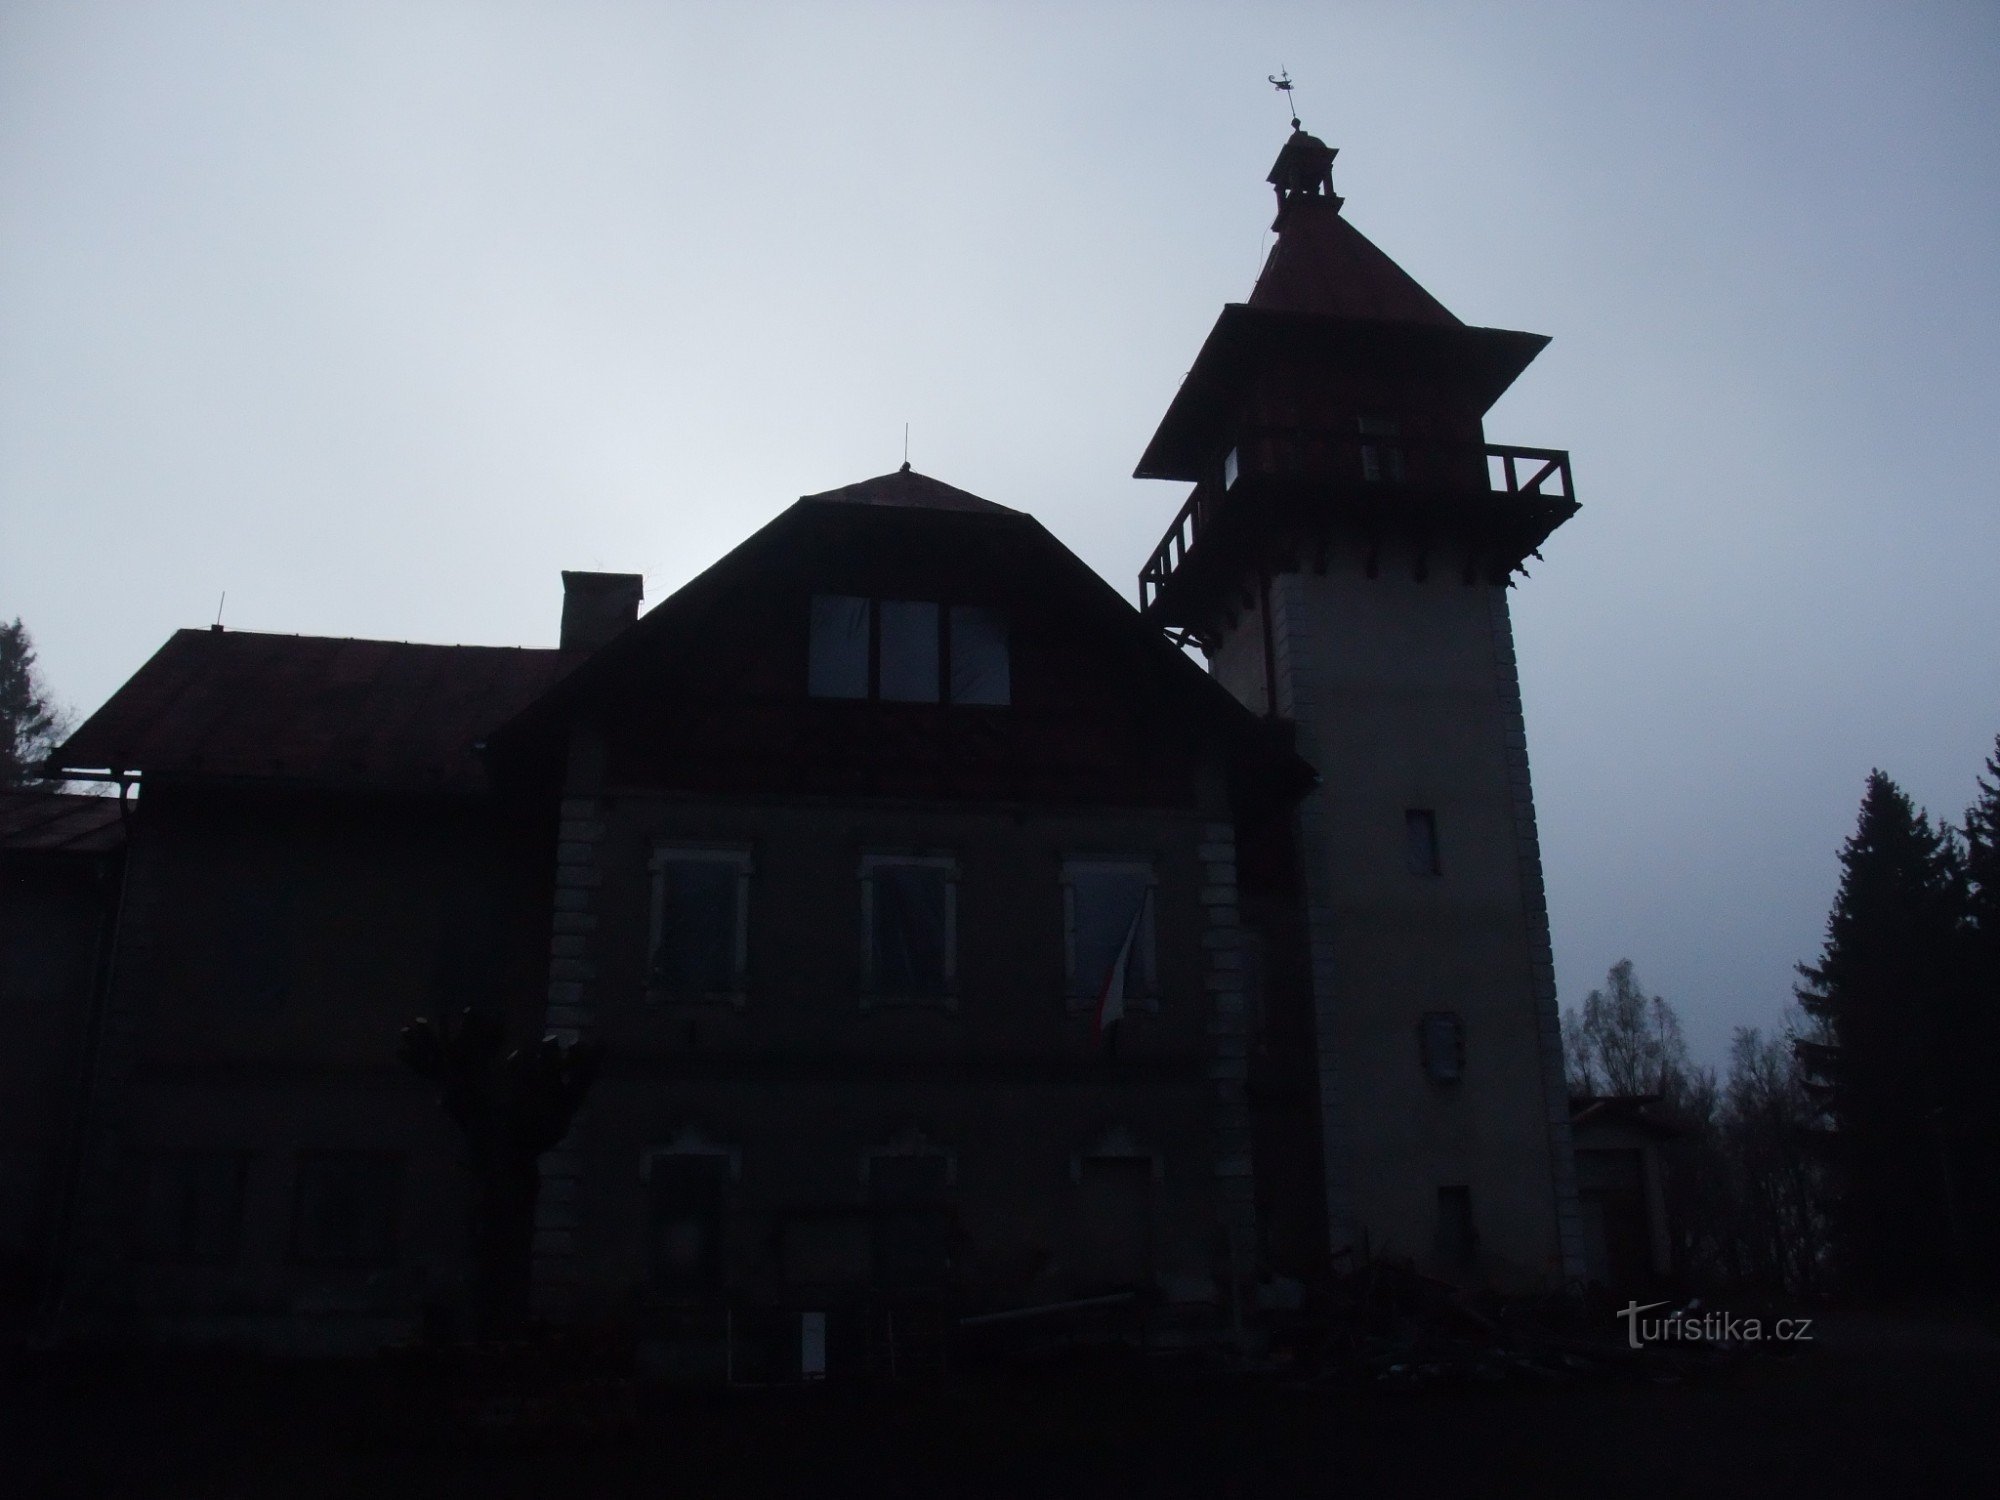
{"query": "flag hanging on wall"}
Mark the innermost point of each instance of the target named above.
(1111, 999)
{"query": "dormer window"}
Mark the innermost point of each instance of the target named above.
(907, 651)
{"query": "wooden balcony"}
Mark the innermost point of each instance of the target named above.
(1380, 476)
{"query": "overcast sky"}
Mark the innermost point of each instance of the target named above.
(377, 316)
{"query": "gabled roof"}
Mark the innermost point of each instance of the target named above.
(325, 710)
(51, 822)
(916, 521)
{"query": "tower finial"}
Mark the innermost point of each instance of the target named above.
(1282, 82)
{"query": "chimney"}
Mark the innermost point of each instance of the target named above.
(596, 606)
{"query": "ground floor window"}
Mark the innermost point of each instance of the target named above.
(684, 1221)
(193, 1208)
(345, 1207)
(912, 1219)
(1113, 1243)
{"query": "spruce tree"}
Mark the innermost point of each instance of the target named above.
(1885, 993)
(1976, 1105)
(30, 724)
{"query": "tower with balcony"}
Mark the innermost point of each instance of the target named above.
(1344, 561)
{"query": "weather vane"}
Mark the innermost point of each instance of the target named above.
(1282, 82)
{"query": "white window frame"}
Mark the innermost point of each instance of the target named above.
(871, 997)
(1117, 1143)
(911, 1143)
(691, 1141)
(741, 858)
(1149, 924)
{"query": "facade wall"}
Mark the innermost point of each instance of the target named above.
(55, 928)
(269, 953)
(804, 1080)
(1405, 699)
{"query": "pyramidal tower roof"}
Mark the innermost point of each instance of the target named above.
(1326, 295)
(1321, 263)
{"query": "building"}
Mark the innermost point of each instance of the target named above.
(59, 868)
(1344, 560)
(957, 943)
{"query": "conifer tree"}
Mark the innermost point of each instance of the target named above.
(1977, 1105)
(30, 724)
(1885, 996)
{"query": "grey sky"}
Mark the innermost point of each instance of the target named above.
(377, 316)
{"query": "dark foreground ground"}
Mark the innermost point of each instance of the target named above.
(1880, 1404)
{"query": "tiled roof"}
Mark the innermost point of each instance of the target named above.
(909, 490)
(48, 822)
(1323, 264)
(330, 710)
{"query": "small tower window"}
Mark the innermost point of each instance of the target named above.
(1457, 1235)
(1420, 841)
(1381, 462)
(1441, 1045)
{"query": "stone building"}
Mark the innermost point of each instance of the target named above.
(956, 943)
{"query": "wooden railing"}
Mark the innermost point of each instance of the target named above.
(1374, 464)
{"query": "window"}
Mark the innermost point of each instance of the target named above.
(979, 668)
(701, 907)
(194, 1206)
(1457, 1238)
(1381, 463)
(837, 665)
(909, 914)
(1107, 919)
(1112, 1245)
(911, 651)
(907, 651)
(1441, 1045)
(684, 1203)
(345, 1209)
(912, 1239)
(1420, 841)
